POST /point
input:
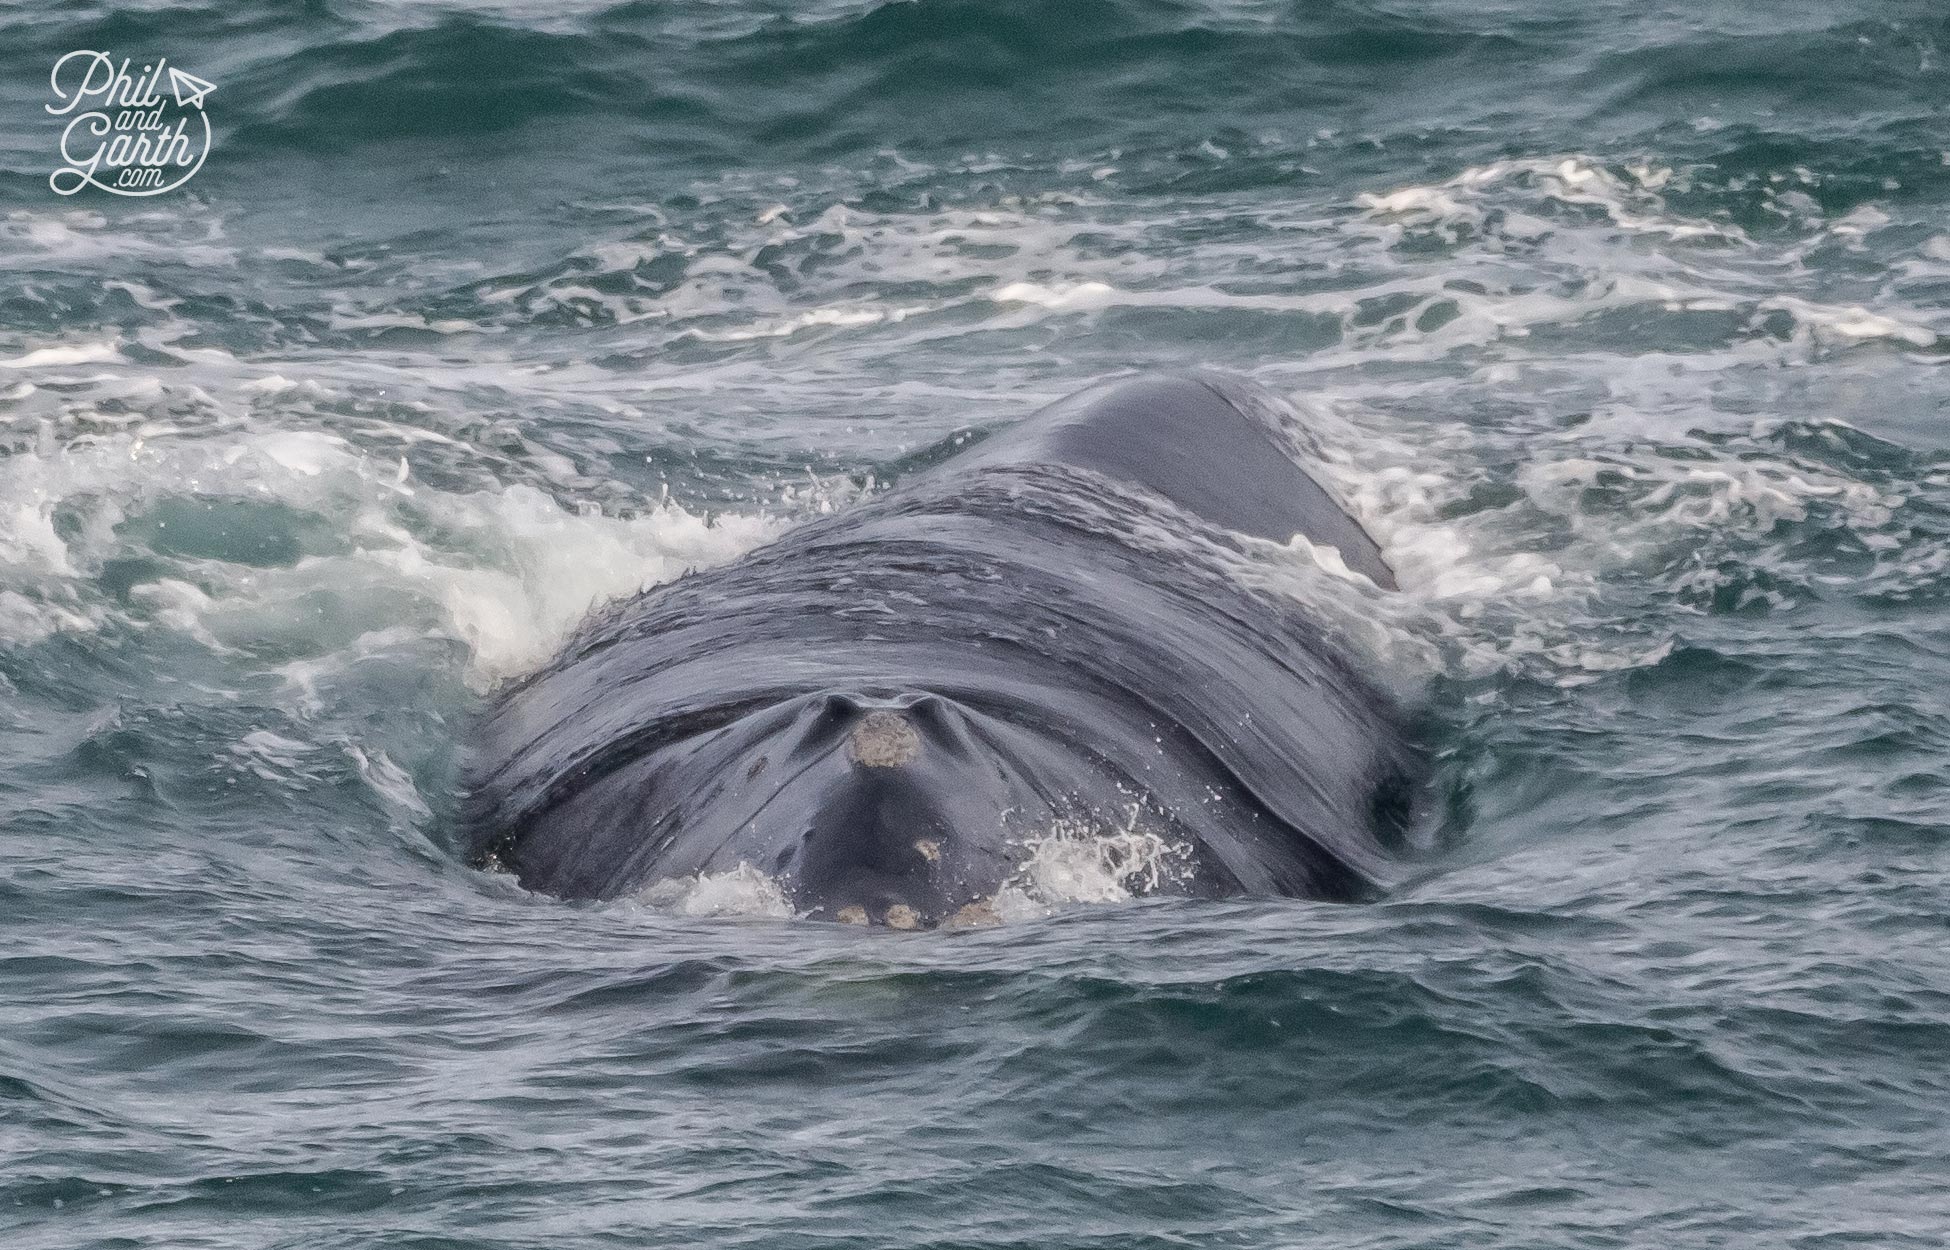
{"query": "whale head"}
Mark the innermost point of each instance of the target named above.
(902, 810)
(865, 805)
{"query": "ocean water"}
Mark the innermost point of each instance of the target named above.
(1624, 327)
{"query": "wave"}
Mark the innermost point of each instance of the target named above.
(644, 80)
(907, 74)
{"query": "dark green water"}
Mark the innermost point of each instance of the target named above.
(1625, 327)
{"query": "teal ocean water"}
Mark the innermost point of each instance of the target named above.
(1624, 327)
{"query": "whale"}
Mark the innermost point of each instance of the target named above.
(889, 712)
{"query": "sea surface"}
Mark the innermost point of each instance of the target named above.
(1625, 327)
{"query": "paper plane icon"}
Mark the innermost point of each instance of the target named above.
(189, 89)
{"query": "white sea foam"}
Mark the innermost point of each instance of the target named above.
(516, 612)
(274, 757)
(1061, 298)
(1076, 861)
(1073, 862)
(393, 784)
(815, 318)
(65, 354)
(1034, 257)
(1632, 202)
(740, 891)
(1851, 323)
(506, 569)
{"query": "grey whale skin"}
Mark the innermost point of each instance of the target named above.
(881, 707)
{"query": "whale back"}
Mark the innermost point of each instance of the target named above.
(1202, 441)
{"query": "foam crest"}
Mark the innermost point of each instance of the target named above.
(1521, 584)
(67, 354)
(1076, 861)
(549, 567)
(1072, 862)
(1630, 199)
(251, 533)
(740, 891)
